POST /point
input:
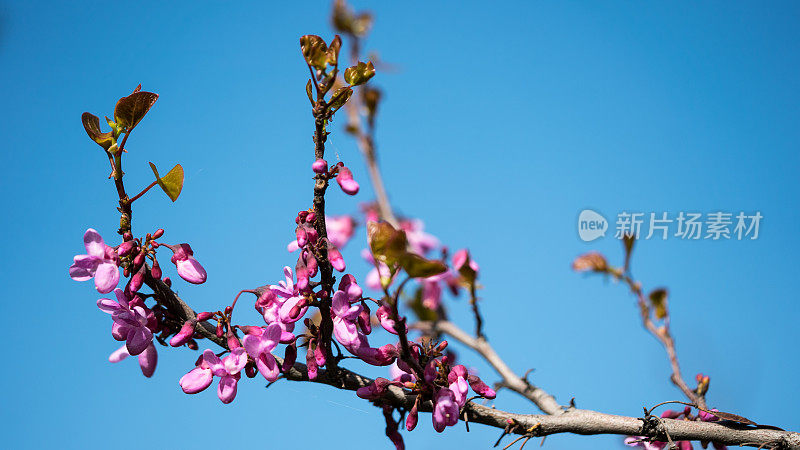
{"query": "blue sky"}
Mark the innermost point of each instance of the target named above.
(500, 124)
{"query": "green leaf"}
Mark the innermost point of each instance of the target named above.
(132, 109)
(388, 245)
(333, 50)
(92, 126)
(658, 298)
(308, 92)
(172, 182)
(418, 267)
(359, 74)
(340, 97)
(314, 51)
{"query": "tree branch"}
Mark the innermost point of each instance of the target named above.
(574, 421)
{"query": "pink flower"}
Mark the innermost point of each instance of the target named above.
(99, 262)
(458, 384)
(130, 321)
(147, 359)
(340, 229)
(188, 267)
(227, 369)
(346, 181)
(384, 316)
(445, 410)
(345, 318)
(260, 349)
(462, 259)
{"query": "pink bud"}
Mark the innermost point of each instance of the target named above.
(336, 259)
(233, 341)
(346, 181)
(188, 267)
(311, 363)
(289, 357)
(183, 336)
(219, 332)
(411, 420)
(155, 271)
(125, 248)
(480, 387)
(137, 280)
(205, 315)
(250, 370)
(158, 233)
(311, 217)
(167, 281)
(320, 166)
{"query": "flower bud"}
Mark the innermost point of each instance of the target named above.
(250, 370)
(480, 387)
(311, 217)
(219, 331)
(346, 182)
(289, 357)
(125, 248)
(336, 259)
(233, 341)
(167, 281)
(188, 267)
(411, 420)
(158, 233)
(137, 280)
(183, 336)
(442, 345)
(155, 271)
(192, 344)
(205, 315)
(320, 166)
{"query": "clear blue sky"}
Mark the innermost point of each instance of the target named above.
(502, 123)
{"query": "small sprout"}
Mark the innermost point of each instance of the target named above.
(359, 74)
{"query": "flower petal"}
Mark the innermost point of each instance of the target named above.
(267, 366)
(106, 277)
(196, 380)
(227, 389)
(83, 267)
(94, 243)
(138, 339)
(191, 271)
(148, 360)
(118, 354)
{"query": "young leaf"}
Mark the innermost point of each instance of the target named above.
(314, 51)
(132, 109)
(359, 74)
(658, 298)
(333, 50)
(92, 126)
(308, 92)
(418, 267)
(172, 182)
(388, 245)
(340, 97)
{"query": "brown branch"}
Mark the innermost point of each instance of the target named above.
(575, 421)
(664, 337)
(366, 143)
